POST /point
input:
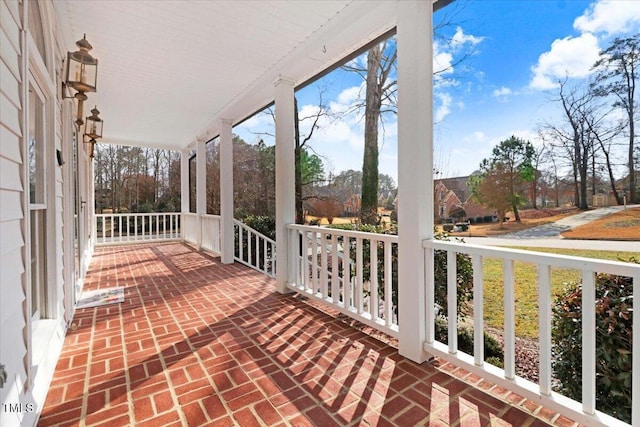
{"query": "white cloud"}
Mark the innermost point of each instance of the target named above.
(258, 122)
(444, 109)
(442, 60)
(570, 56)
(610, 17)
(574, 56)
(503, 91)
(503, 94)
(444, 54)
(461, 39)
(350, 94)
(477, 136)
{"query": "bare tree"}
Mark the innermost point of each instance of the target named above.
(616, 76)
(537, 160)
(573, 136)
(380, 88)
(306, 174)
(379, 76)
(308, 168)
(604, 130)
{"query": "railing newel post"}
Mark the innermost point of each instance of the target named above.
(544, 326)
(335, 275)
(359, 278)
(452, 309)
(388, 283)
(588, 342)
(373, 279)
(478, 310)
(323, 269)
(509, 320)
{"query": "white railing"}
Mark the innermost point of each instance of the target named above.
(254, 249)
(190, 231)
(203, 231)
(583, 412)
(210, 229)
(137, 227)
(353, 272)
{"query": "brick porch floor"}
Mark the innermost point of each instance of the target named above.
(199, 343)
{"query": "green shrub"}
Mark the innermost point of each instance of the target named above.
(614, 301)
(464, 279)
(366, 258)
(493, 352)
(262, 224)
(464, 268)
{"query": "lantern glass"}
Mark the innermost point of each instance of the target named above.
(93, 127)
(82, 71)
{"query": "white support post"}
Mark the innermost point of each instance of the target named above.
(184, 182)
(201, 186)
(415, 172)
(226, 192)
(285, 178)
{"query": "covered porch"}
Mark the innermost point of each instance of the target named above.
(203, 339)
(199, 342)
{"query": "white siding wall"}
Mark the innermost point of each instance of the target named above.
(19, 343)
(58, 207)
(13, 348)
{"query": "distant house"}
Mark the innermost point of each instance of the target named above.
(623, 184)
(351, 207)
(447, 202)
(384, 197)
(453, 200)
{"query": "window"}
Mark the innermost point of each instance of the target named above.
(37, 201)
(35, 27)
(36, 147)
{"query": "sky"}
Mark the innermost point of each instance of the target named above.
(513, 54)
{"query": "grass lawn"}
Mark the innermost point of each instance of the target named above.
(526, 288)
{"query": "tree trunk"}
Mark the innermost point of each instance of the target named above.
(501, 215)
(557, 190)
(632, 172)
(516, 213)
(577, 157)
(583, 169)
(612, 180)
(593, 175)
(535, 189)
(369, 206)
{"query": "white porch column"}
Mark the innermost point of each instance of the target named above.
(184, 181)
(415, 171)
(201, 186)
(226, 192)
(285, 177)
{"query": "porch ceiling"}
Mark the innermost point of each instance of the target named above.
(169, 70)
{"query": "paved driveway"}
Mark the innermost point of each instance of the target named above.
(555, 228)
(548, 235)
